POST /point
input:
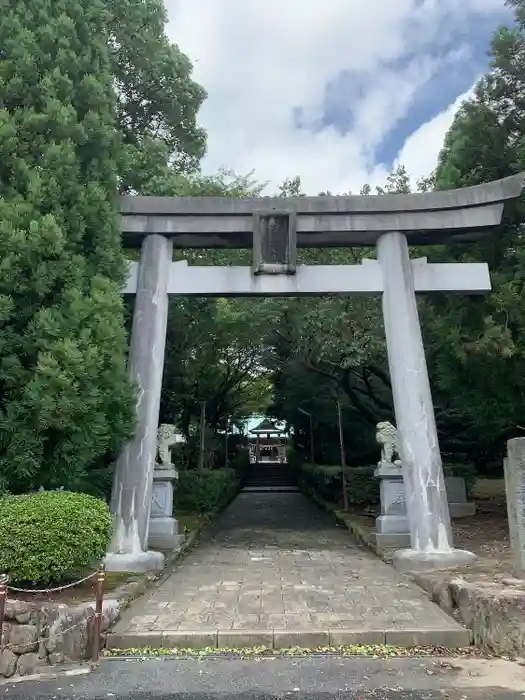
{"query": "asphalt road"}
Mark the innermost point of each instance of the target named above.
(313, 678)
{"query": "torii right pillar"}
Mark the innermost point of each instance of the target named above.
(426, 498)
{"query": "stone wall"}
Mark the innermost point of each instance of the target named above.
(493, 609)
(39, 635)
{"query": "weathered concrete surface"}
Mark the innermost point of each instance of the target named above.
(494, 610)
(313, 678)
(219, 222)
(426, 498)
(514, 467)
(316, 280)
(279, 571)
(133, 480)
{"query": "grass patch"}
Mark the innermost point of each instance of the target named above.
(114, 580)
(190, 522)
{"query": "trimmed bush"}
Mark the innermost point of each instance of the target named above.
(205, 490)
(52, 536)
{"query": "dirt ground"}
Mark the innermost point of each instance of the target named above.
(486, 533)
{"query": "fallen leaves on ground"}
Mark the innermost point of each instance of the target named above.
(374, 651)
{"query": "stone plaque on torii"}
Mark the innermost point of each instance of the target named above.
(274, 228)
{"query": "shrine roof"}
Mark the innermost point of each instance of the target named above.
(267, 426)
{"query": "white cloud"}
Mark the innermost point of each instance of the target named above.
(420, 150)
(260, 59)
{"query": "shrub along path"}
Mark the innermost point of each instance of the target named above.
(275, 571)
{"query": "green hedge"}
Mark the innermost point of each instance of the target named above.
(203, 491)
(241, 462)
(361, 486)
(52, 536)
(293, 459)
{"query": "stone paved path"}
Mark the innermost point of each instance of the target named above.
(274, 563)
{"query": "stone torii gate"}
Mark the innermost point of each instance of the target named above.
(274, 227)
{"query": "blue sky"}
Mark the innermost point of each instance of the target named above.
(336, 91)
(441, 90)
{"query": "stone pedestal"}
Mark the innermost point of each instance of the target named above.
(427, 507)
(457, 498)
(514, 467)
(392, 529)
(163, 528)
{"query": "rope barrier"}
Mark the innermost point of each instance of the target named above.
(96, 616)
(53, 590)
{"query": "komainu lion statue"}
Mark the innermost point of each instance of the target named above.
(386, 436)
(166, 439)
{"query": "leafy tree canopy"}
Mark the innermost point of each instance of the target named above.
(65, 400)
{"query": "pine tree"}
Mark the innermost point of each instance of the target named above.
(65, 399)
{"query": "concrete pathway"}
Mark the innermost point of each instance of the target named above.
(276, 571)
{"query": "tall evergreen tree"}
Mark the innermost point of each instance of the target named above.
(65, 400)
(157, 99)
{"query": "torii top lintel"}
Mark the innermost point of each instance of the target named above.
(461, 216)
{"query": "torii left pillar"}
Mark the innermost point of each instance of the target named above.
(133, 480)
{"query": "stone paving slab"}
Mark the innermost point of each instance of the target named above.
(273, 566)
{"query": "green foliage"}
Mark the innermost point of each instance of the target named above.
(213, 355)
(293, 459)
(362, 487)
(158, 100)
(215, 347)
(466, 471)
(65, 399)
(206, 490)
(477, 355)
(241, 462)
(51, 536)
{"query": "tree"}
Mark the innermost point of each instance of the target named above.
(214, 346)
(158, 100)
(300, 385)
(477, 346)
(333, 348)
(65, 400)
(473, 345)
(214, 355)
